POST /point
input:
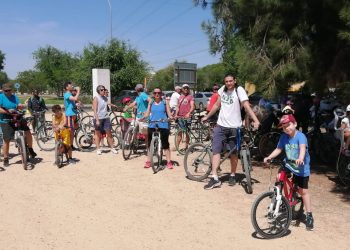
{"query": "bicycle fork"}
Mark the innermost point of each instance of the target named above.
(275, 202)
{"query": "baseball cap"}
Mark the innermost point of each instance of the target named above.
(185, 85)
(7, 86)
(139, 86)
(177, 87)
(286, 119)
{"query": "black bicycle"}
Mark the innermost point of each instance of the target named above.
(156, 150)
(198, 158)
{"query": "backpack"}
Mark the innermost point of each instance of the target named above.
(243, 112)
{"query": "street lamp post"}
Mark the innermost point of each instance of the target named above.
(110, 15)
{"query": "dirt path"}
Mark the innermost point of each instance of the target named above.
(104, 202)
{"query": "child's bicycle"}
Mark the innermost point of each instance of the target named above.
(273, 211)
(61, 151)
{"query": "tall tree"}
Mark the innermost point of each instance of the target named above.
(57, 66)
(124, 62)
(275, 43)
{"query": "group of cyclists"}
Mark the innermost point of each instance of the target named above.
(226, 106)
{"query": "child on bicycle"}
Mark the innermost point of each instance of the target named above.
(58, 125)
(294, 143)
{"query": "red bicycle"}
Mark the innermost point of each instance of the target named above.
(273, 211)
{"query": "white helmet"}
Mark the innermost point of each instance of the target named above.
(348, 108)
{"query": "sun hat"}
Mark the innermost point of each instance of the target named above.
(286, 119)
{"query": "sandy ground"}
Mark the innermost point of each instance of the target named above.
(104, 202)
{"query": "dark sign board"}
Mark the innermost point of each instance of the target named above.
(185, 73)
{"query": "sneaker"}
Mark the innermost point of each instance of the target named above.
(32, 153)
(232, 180)
(212, 184)
(170, 165)
(99, 152)
(71, 161)
(6, 162)
(73, 148)
(309, 223)
(114, 151)
(147, 164)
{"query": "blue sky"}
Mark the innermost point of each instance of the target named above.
(162, 30)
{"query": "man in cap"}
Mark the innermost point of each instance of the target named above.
(8, 105)
(183, 112)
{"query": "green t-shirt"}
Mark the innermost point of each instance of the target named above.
(128, 113)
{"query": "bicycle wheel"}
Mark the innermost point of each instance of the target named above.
(45, 138)
(59, 154)
(155, 155)
(263, 219)
(197, 162)
(22, 151)
(128, 143)
(297, 207)
(83, 140)
(268, 143)
(246, 167)
(182, 136)
(88, 120)
(343, 170)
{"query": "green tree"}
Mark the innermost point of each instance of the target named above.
(125, 64)
(164, 78)
(32, 80)
(276, 43)
(2, 60)
(209, 75)
(56, 66)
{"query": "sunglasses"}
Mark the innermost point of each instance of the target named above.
(103, 89)
(155, 93)
(186, 88)
(7, 90)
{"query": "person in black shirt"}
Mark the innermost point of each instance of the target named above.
(36, 105)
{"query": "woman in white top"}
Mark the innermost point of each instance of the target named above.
(102, 121)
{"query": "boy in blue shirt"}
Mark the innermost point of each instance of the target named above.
(294, 143)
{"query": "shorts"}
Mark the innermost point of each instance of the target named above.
(184, 123)
(164, 137)
(71, 122)
(143, 126)
(300, 181)
(105, 125)
(65, 135)
(1, 138)
(8, 130)
(220, 135)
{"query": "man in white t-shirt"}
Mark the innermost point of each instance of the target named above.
(230, 99)
(174, 99)
(345, 125)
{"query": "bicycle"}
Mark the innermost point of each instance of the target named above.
(61, 150)
(156, 151)
(17, 120)
(278, 207)
(44, 133)
(132, 140)
(199, 133)
(198, 158)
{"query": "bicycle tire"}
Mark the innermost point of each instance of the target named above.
(268, 143)
(275, 227)
(22, 151)
(155, 155)
(45, 138)
(245, 162)
(114, 123)
(128, 143)
(197, 162)
(117, 141)
(83, 140)
(181, 148)
(88, 120)
(58, 154)
(298, 208)
(343, 170)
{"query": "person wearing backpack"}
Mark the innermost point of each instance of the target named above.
(230, 100)
(36, 105)
(159, 109)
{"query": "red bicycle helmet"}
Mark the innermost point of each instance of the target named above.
(126, 99)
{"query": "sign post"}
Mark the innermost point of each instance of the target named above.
(17, 86)
(185, 73)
